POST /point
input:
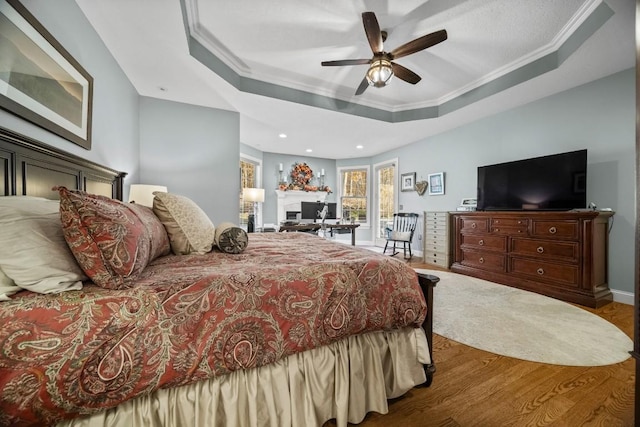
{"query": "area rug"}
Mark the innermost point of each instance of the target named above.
(524, 325)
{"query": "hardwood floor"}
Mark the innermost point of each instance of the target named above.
(475, 388)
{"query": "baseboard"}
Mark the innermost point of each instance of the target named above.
(623, 297)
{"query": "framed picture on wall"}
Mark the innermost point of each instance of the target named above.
(42, 83)
(408, 181)
(436, 184)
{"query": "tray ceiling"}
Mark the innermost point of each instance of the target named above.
(262, 59)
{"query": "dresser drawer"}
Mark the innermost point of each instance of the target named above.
(438, 259)
(473, 225)
(509, 231)
(510, 222)
(441, 216)
(436, 234)
(436, 223)
(436, 246)
(483, 260)
(484, 242)
(561, 251)
(556, 229)
(433, 228)
(564, 274)
(509, 226)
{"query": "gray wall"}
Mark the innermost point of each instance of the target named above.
(250, 151)
(115, 101)
(195, 152)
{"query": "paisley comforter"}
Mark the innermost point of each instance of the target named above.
(193, 317)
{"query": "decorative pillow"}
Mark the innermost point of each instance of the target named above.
(159, 238)
(190, 230)
(33, 251)
(108, 238)
(7, 287)
(231, 238)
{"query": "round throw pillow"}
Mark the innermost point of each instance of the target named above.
(230, 238)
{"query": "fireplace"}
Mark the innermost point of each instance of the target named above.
(292, 215)
(289, 202)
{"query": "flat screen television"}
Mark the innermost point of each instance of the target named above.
(312, 210)
(555, 182)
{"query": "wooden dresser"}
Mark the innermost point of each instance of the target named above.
(559, 254)
(437, 247)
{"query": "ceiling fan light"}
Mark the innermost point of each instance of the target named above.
(380, 73)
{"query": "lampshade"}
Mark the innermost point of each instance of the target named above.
(142, 194)
(380, 72)
(253, 194)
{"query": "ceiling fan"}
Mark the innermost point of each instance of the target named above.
(381, 66)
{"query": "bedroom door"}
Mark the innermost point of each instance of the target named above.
(386, 199)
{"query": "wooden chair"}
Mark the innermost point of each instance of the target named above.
(404, 225)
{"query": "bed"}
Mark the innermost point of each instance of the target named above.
(294, 330)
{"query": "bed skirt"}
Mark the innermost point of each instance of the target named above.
(342, 381)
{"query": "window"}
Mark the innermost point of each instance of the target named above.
(354, 184)
(249, 178)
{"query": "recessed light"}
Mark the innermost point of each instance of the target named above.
(309, 150)
(359, 147)
(283, 135)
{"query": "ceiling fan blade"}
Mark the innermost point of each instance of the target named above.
(419, 44)
(364, 84)
(372, 29)
(345, 62)
(405, 74)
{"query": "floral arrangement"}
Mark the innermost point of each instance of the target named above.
(301, 176)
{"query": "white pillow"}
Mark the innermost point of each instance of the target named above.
(33, 251)
(7, 287)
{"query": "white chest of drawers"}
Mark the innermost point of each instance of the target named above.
(436, 239)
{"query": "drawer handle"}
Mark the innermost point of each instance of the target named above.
(553, 230)
(474, 225)
(481, 260)
(540, 271)
(540, 249)
(481, 242)
(496, 229)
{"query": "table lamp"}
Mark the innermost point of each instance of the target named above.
(255, 195)
(142, 194)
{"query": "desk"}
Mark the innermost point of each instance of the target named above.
(318, 226)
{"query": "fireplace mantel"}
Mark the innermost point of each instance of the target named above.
(290, 200)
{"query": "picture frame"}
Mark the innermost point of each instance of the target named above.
(408, 181)
(43, 83)
(436, 184)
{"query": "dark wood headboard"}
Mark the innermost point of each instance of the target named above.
(31, 168)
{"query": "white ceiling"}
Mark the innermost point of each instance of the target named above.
(266, 43)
